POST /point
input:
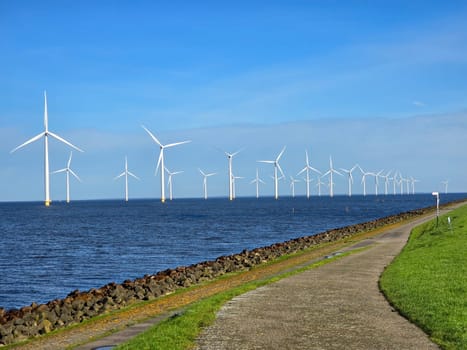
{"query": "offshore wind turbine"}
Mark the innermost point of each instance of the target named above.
(330, 172)
(319, 185)
(205, 182)
(386, 182)
(350, 177)
(231, 178)
(68, 172)
(364, 175)
(413, 181)
(257, 180)
(307, 168)
(376, 175)
(160, 161)
(292, 185)
(46, 133)
(169, 181)
(233, 184)
(445, 183)
(125, 173)
(277, 166)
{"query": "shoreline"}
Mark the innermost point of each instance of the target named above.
(36, 320)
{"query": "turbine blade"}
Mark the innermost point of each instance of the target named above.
(119, 176)
(35, 138)
(266, 161)
(64, 141)
(315, 170)
(59, 171)
(73, 173)
(69, 160)
(280, 169)
(152, 136)
(131, 174)
(301, 171)
(175, 144)
(280, 154)
(159, 161)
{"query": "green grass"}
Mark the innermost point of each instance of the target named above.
(181, 331)
(427, 282)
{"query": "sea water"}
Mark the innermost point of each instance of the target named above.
(47, 252)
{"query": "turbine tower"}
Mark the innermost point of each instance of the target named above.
(205, 182)
(160, 162)
(233, 184)
(350, 177)
(257, 180)
(413, 181)
(276, 166)
(330, 172)
(231, 178)
(378, 174)
(364, 175)
(126, 173)
(68, 172)
(307, 168)
(46, 133)
(169, 181)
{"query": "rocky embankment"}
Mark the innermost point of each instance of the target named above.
(34, 320)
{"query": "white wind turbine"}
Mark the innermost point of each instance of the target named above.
(376, 175)
(307, 168)
(330, 172)
(231, 178)
(160, 161)
(125, 173)
(413, 181)
(233, 184)
(292, 185)
(205, 182)
(257, 180)
(364, 175)
(169, 181)
(445, 183)
(276, 167)
(68, 172)
(319, 185)
(350, 177)
(46, 133)
(386, 182)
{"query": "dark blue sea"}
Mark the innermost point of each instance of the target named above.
(47, 252)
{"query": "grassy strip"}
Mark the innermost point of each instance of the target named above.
(180, 332)
(427, 282)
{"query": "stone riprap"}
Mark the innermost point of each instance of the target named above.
(37, 319)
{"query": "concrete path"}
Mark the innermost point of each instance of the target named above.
(335, 306)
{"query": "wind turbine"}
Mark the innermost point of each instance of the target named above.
(169, 181)
(231, 179)
(445, 183)
(233, 184)
(413, 181)
(319, 185)
(257, 180)
(126, 173)
(46, 133)
(307, 168)
(205, 182)
(292, 185)
(330, 172)
(350, 177)
(376, 175)
(276, 166)
(364, 175)
(386, 182)
(68, 172)
(160, 162)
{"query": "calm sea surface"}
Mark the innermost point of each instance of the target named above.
(45, 253)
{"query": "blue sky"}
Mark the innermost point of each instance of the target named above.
(380, 83)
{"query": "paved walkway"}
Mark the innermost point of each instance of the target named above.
(335, 306)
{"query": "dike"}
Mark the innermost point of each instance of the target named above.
(38, 319)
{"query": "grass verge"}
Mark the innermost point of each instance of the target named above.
(180, 332)
(427, 282)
